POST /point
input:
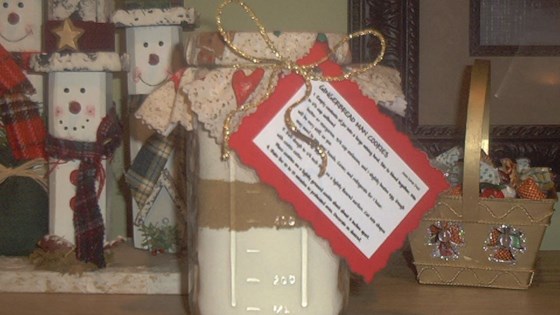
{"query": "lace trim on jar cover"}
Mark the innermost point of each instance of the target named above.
(168, 105)
(209, 94)
(383, 85)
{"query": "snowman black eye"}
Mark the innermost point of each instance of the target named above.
(66, 90)
(146, 45)
(20, 5)
(160, 43)
(82, 90)
(5, 5)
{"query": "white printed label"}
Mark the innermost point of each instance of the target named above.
(367, 189)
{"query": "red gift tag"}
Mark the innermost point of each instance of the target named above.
(377, 185)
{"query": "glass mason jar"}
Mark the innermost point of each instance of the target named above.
(250, 252)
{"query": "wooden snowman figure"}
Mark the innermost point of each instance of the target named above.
(20, 34)
(83, 127)
(153, 44)
(24, 206)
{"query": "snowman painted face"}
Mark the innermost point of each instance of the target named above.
(77, 104)
(151, 51)
(20, 25)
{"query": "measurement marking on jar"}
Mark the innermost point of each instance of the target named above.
(233, 259)
(284, 280)
(232, 236)
(304, 262)
(287, 278)
(280, 309)
(253, 280)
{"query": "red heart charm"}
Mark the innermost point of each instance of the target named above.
(244, 85)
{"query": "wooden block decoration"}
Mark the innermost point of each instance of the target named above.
(82, 26)
(83, 134)
(84, 10)
(81, 36)
(83, 131)
(152, 43)
(150, 50)
(78, 101)
(152, 38)
(20, 25)
(20, 32)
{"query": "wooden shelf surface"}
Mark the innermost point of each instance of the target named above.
(394, 291)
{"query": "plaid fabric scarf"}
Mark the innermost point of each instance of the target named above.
(20, 116)
(88, 221)
(146, 169)
(12, 78)
(25, 129)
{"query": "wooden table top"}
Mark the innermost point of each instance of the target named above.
(394, 291)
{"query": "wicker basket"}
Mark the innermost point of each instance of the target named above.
(472, 241)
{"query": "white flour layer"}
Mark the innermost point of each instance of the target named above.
(266, 272)
(263, 270)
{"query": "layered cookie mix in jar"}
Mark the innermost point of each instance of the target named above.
(251, 252)
(254, 254)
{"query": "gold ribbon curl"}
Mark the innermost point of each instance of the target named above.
(309, 72)
(34, 169)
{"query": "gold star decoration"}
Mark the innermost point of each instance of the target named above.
(68, 35)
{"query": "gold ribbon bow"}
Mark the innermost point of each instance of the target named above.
(34, 169)
(309, 73)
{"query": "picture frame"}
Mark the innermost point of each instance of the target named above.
(398, 21)
(514, 28)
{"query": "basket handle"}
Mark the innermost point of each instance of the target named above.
(476, 136)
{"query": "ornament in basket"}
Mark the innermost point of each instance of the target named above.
(487, 239)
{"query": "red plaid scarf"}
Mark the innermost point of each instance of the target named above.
(12, 78)
(25, 129)
(24, 126)
(88, 221)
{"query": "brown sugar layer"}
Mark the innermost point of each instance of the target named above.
(242, 206)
